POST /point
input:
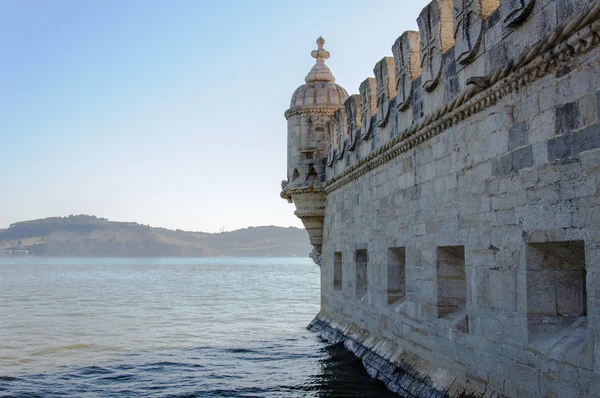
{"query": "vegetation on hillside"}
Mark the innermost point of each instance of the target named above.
(84, 235)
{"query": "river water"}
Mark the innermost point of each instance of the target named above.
(194, 327)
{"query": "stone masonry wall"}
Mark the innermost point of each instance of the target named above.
(468, 231)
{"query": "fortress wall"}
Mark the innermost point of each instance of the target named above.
(499, 43)
(461, 243)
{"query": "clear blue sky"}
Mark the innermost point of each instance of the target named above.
(168, 113)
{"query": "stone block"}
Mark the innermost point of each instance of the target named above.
(560, 147)
(522, 158)
(517, 135)
(590, 161)
(587, 139)
(502, 165)
(540, 153)
(567, 118)
(541, 127)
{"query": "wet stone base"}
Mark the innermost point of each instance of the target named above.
(401, 371)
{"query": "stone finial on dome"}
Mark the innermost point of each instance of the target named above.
(320, 71)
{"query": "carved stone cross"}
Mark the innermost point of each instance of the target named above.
(331, 138)
(435, 25)
(467, 30)
(386, 90)
(468, 16)
(367, 107)
(352, 120)
(408, 68)
(340, 131)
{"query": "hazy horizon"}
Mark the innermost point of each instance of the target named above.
(167, 113)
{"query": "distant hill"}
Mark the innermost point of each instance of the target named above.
(87, 236)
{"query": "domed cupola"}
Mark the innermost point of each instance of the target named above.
(313, 104)
(320, 87)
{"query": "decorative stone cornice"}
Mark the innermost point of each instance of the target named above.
(312, 110)
(298, 190)
(309, 213)
(575, 35)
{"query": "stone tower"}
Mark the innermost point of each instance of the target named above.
(312, 106)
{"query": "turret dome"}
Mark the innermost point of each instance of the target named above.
(320, 87)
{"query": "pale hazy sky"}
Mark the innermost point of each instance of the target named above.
(168, 113)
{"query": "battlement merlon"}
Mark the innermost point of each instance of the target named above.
(466, 55)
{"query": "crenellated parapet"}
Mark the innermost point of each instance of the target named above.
(466, 55)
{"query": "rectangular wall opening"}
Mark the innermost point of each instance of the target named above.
(362, 283)
(451, 280)
(337, 270)
(556, 287)
(307, 155)
(396, 279)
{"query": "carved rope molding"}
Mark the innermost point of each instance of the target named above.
(312, 110)
(557, 47)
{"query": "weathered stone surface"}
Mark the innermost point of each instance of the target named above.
(341, 131)
(436, 33)
(515, 12)
(330, 129)
(468, 16)
(368, 107)
(408, 66)
(386, 90)
(353, 121)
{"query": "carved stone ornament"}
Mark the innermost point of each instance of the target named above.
(316, 257)
(320, 71)
(353, 123)
(435, 26)
(367, 107)
(408, 67)
(340, 131)
(386, 89)
(515, 12)
(330, 130)
(468, 16)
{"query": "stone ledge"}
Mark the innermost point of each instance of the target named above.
(401, 371)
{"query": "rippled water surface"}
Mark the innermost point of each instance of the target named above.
(168, 327)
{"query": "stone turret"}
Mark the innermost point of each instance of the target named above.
(312, 105)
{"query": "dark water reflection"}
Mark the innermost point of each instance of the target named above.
(299, 367)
